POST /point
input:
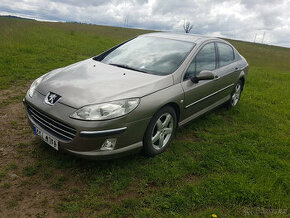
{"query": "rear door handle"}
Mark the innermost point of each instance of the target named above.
(216, 77)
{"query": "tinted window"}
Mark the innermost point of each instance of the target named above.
(150, 54)
(204, 60)
(226, 54)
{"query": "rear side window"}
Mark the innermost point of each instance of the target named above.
(204, 60)
(226, 54)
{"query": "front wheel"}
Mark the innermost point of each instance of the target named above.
(160, 131)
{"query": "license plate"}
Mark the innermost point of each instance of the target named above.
(46, 137)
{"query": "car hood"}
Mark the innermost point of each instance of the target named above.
(91, 82)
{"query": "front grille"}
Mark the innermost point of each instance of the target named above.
(54, 127)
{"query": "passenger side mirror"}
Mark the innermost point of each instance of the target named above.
(203, 75)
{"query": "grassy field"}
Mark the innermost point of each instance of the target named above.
(232, 163)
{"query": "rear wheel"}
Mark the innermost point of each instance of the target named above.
(236, 95)
(160, 131)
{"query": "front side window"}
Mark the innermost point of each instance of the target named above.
(204, 60)
(226, 54)
(152, 55)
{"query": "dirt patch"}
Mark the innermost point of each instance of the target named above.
(228, 118)
(33, 196)
(24, 192)
(186, 136)
(14, 131)
(192, 179)
(14, 92)
(131, 193)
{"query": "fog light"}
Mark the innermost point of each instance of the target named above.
(109, 144)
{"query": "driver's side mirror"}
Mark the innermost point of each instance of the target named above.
(203, 75)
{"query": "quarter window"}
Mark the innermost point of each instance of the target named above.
(226, 54)
(204, 60)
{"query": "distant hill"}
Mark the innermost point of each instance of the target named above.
(15, 17)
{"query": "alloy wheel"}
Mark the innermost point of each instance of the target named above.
(162, 131)
(236, 95)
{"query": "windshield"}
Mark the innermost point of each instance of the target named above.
(150, 54)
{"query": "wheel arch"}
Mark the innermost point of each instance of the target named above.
(242, 77)
(176, 107)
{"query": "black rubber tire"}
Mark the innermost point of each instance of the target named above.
(229, 103)
(148, 148)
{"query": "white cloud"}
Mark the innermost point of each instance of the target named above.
(239, 19)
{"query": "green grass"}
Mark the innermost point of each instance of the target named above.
(236, 164)
(30, 48)
(30, 170)
(2, 174)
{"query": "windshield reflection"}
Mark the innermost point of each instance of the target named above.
(154, 55)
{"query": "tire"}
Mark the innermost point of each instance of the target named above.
(160, 131)
(235, 95)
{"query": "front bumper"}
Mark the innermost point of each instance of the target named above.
(89, 135)
(102, 155)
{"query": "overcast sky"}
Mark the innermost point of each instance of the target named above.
(237, 19)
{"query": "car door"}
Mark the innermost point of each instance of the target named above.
(198, 96)
(227, 72)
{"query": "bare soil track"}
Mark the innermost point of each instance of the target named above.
(24, 193)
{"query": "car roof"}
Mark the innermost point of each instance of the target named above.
(182, 36)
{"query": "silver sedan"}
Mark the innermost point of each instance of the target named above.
(135, 95)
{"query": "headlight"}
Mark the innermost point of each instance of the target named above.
(34, 85)
(107, 110)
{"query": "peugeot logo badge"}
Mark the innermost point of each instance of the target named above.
(51, 98)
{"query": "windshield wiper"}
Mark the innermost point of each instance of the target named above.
(128, 67)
